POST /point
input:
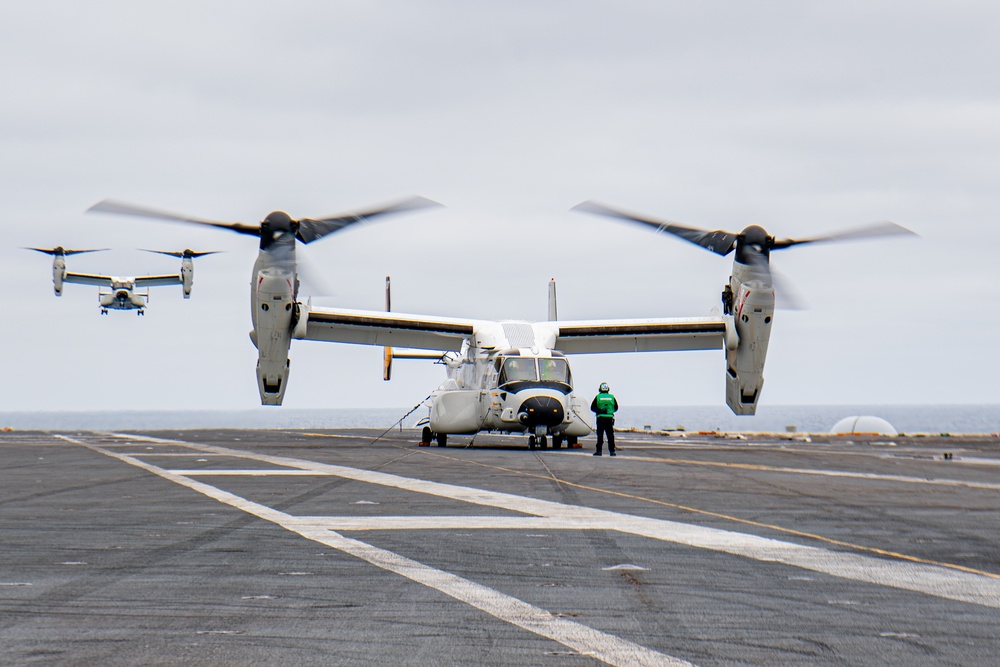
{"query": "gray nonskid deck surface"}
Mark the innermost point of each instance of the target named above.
(324, 547)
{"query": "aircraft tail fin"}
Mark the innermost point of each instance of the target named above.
(389, 354)
(387, 351)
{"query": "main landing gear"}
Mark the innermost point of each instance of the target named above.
(571, 441)
(426, 435)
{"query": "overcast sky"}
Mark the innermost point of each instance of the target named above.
(802, 117)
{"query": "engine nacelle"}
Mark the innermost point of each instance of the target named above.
(187, 276)
(750, 329)
(275, 307)
(456, 412)
(58, 273)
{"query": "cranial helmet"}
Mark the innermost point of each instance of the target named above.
(604, 388)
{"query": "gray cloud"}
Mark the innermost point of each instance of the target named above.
(804, 118)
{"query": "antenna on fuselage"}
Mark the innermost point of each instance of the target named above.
(553, 314)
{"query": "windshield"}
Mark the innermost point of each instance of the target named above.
(554, 370)
(516, 369)
(524, 369)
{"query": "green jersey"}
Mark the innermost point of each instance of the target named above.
(604, 405)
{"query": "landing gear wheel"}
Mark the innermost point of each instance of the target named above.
(531, 442)
(572, 442)
(425, 436)
(542, 442)
(442, 439)
(557, 441)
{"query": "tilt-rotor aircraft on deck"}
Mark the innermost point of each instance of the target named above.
(122, 293)
(508, 377)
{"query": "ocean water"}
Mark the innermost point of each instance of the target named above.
(818, 419)
(803, 418)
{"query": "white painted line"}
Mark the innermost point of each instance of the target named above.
(159, 454)
(918, 577)
(250, 472)
(586, 641)
(423, 522)
(972, 460)
(991, 486)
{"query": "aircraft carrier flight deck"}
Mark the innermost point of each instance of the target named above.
(340, 547)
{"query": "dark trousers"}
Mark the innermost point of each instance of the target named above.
(605, 426)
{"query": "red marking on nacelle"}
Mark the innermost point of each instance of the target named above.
(744, 293)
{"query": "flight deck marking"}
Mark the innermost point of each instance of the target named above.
(247, 472)
(423, 522)
(790, 531)
(913, 574)
(728, 517)
(585, 640)
(991, 486)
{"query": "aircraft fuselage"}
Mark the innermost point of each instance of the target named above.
(122, 296)
(511, 391)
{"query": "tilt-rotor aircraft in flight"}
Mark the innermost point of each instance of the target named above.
(507, 376)
(122, 293)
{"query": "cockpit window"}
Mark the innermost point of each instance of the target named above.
(531, 369)
(517, 369)
(554, 370)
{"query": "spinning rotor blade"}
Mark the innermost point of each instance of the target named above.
(311, 229)
(313, 280)
(59, 250)
(122, 208)
(874, 230)
(718, 241)
(187, 252)
(785, 296)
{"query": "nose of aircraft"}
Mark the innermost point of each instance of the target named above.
(541, 411)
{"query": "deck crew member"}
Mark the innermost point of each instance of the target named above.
(604, 406)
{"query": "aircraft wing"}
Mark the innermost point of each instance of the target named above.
(372, 327)
(154, 281)
(87, 279)
(645, 335)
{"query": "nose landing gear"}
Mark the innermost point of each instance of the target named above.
(540, 441)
